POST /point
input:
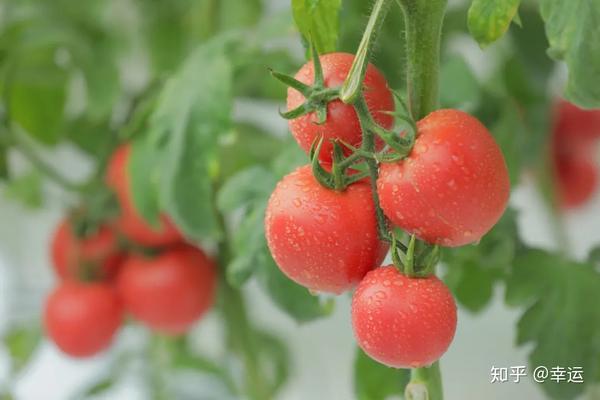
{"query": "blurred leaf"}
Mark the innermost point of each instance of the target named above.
(3, 162)
(35, 92)
(594, 255)
(249, 186)
(458, 85)
(21, 343)
(289, 158)
(99, 388)
(488, 20)
(275, 355)
(143, 170)
(509, 131)
(102, 83)
(192, 111)
(318, 22)
(26, 188)
(93, 137)
(375, 381)
(559, 320)
(473, 270)
(237, 14)
(572, 30)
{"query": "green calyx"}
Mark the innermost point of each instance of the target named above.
(417, 259)
(317, 95)
(338, 178)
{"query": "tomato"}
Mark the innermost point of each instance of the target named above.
(169, 292)
(577, 180)
(454, 185)
(81, 318)
(574, 137)
(130, 223)
(342, 122)
(323, 239)
(403, 322)
(96, 255)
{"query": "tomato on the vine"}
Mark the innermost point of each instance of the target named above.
(129, 222)
(403, 322)
(168, 292)
(96, 255)
(82, 318)
(323, 239)
(577, 180)
(454, 185)
(342, 121)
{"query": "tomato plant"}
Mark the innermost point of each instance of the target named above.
(145, 136)
(82, 319)
(168, 292)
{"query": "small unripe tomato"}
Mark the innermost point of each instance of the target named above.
(168, 292)
(323, 239)
(403, 322)
(82, 318)
(454, 185)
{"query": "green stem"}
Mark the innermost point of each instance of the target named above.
(423, 24)
(425, 384)
(353, 84)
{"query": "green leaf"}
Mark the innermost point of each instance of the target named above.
(99, 388)
(559, 322)
(572, 30)
(292, 298)
(26, 188)
(274, 353)
(458, 85)
(318, 22)
(375, 381)
(21, 343)
(3, 162)
(36, 96)
(192, 111)
(143, 169)
(238, 14)
(488, 20)
(246, 187)
(473, 270)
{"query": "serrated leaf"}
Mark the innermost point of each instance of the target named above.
(488, 20)
(192, 111)
(572, 30)
(21, 343)
(292, 298)
(318, 22)
(458, 85)
(375, 381)
(558, 321)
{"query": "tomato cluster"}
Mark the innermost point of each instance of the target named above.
(123, 265)
(575, 134)
(450, 190)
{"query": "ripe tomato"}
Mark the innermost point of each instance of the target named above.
(342, 122)
(170, 291)
(96, 255)
(576, 123)
(403, 322)
(130, 223)
(82, 318)
(454, 185)
(577, 180)
(323, 239)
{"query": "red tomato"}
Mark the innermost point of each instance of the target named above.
(171, 291)
(342, 122)
(81, 318)
(130, 223)
(576, 123)
(403, 322)
(454, 185)
(323, 239)
(96, 255)
(577, 180)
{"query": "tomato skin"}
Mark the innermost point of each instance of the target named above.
(576, 123)
(577, 180)
(170, 292)
(130, 223)
(454, 185)
(72, 255)
(323, 239)
(403, 322)
(342, 122)
(82, 318)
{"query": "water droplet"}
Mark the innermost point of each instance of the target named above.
(421, 148)
(297, 202)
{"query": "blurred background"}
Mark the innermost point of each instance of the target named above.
(76, 77)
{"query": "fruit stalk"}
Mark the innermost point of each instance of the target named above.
(423, 23)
